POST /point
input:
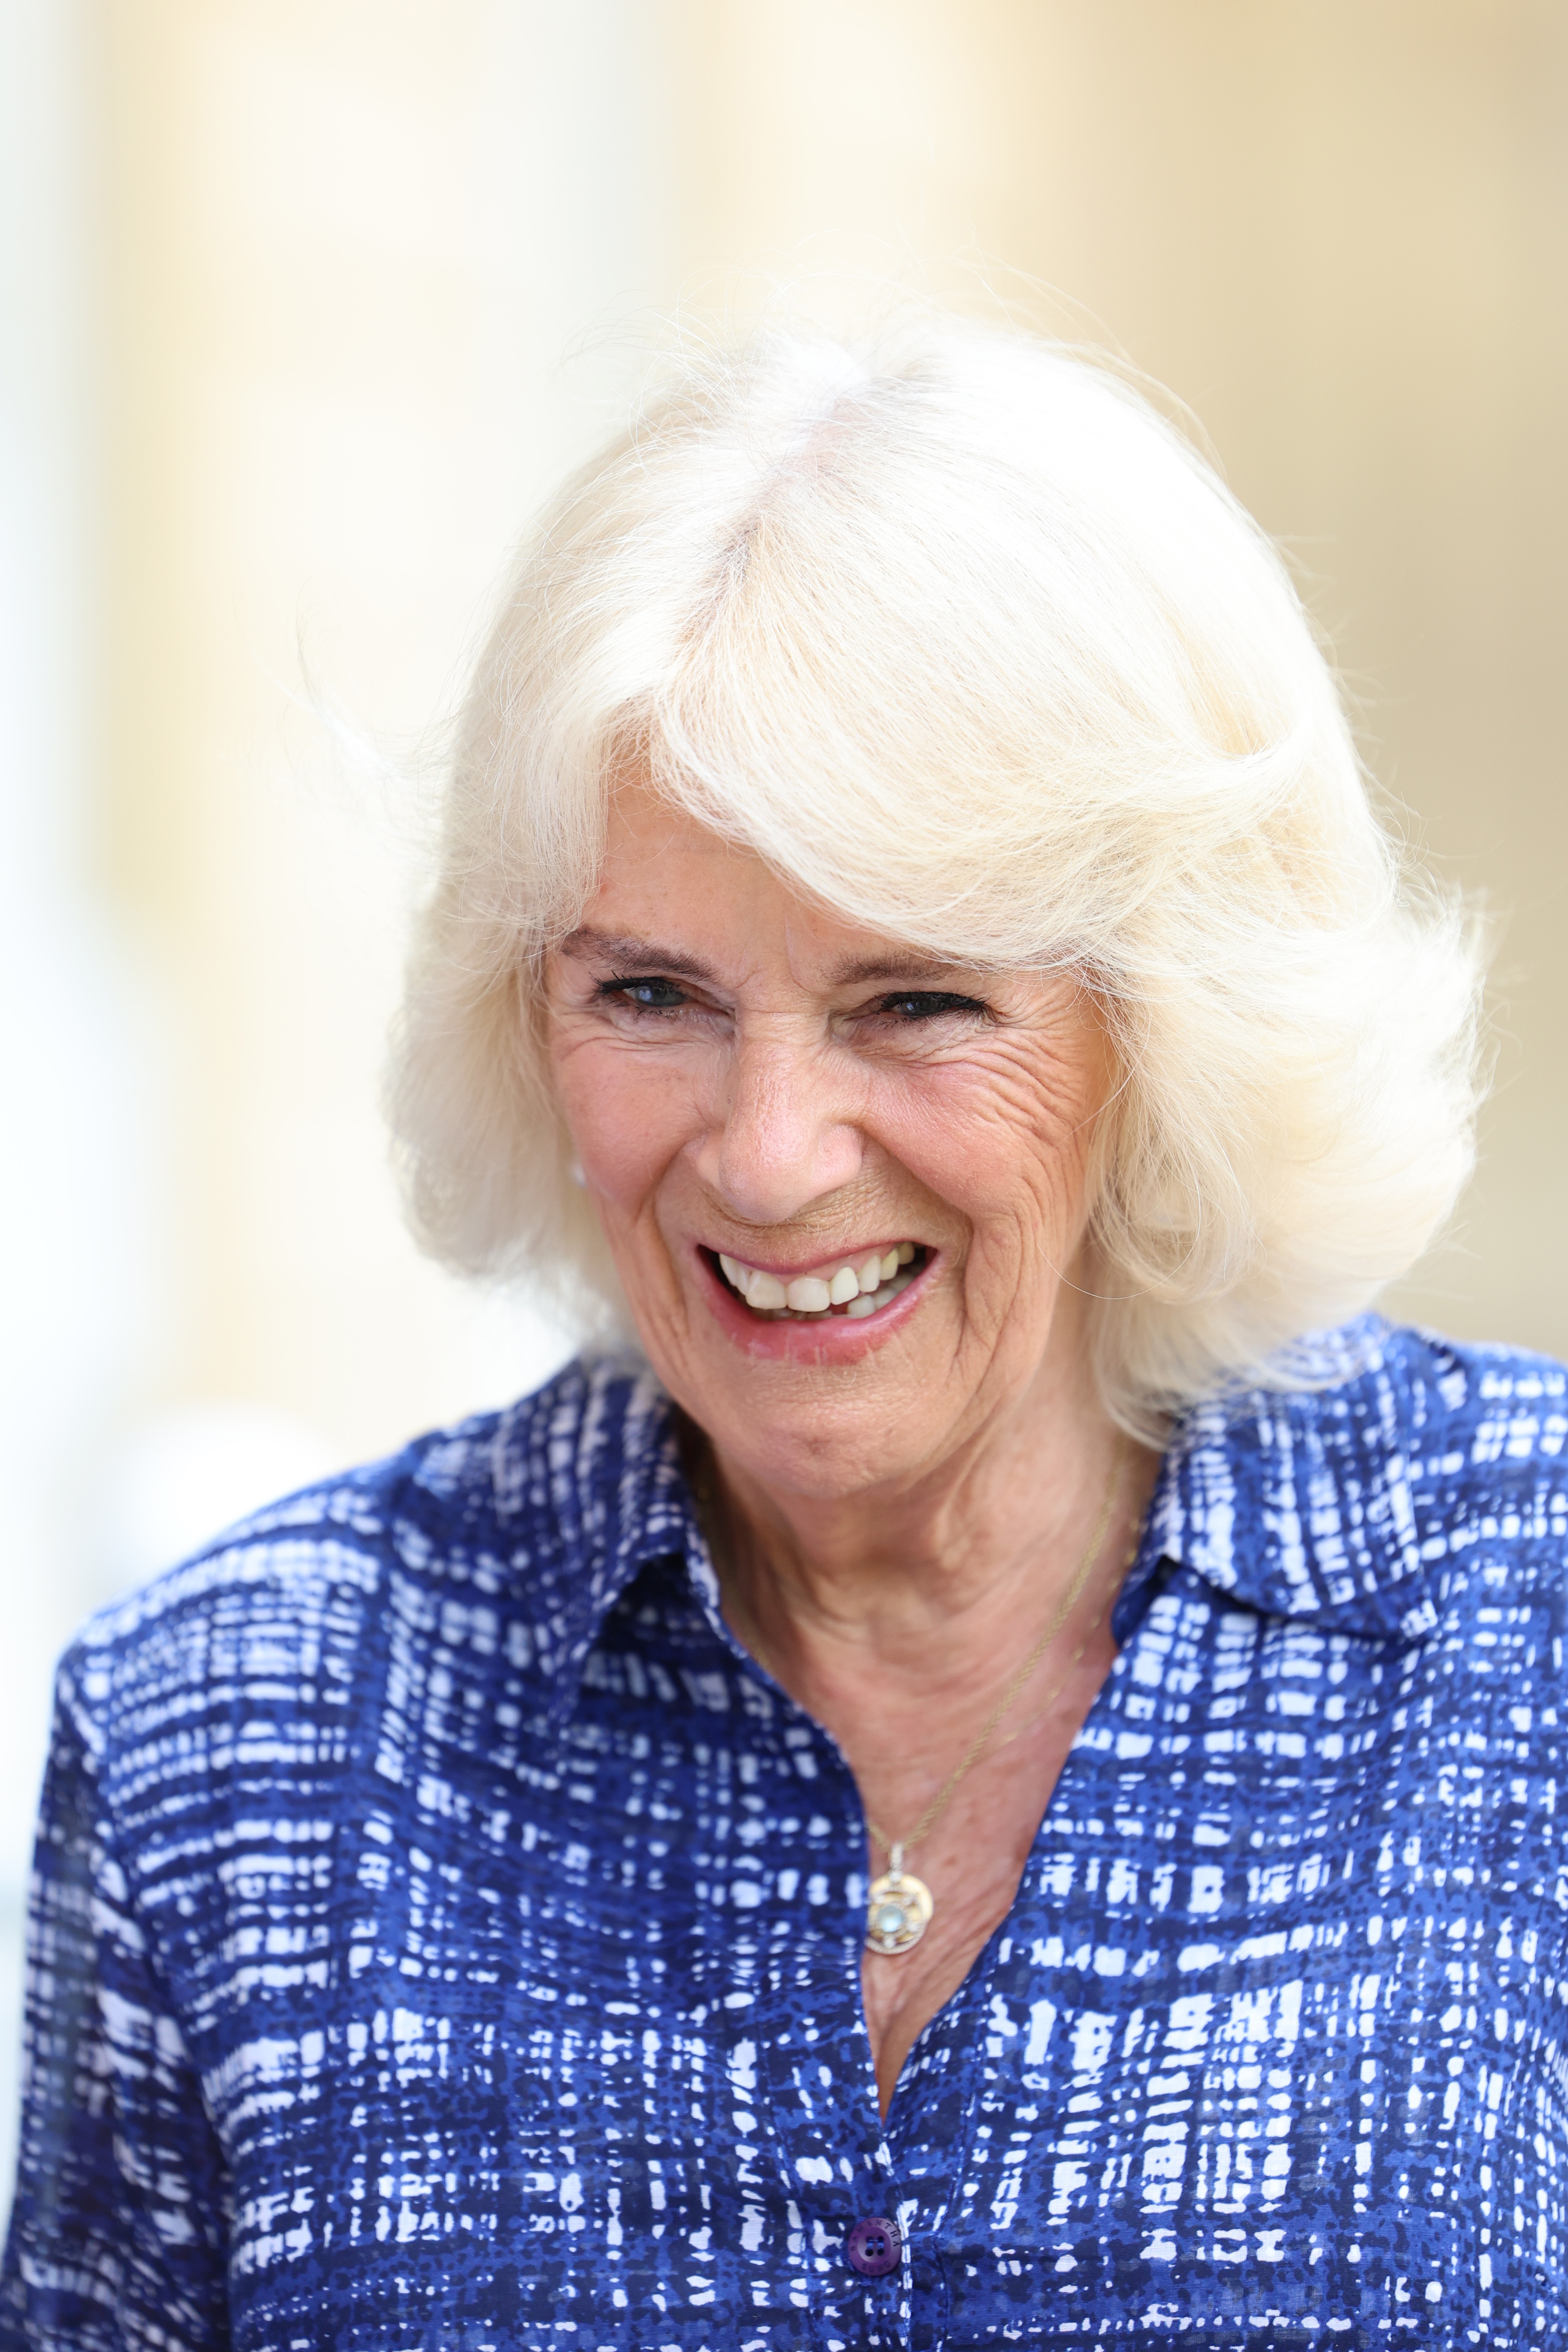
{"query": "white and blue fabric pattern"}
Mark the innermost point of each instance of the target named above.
(445, 1935)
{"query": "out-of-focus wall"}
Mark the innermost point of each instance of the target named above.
(347, 253)
(306, 302)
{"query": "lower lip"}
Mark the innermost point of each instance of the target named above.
(825, 1339)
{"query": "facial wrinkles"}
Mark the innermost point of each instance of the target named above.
(787, 1129)
(1016, 1090)
(786, 1063)
(793, 1114)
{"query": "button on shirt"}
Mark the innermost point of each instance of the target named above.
(445, 1935)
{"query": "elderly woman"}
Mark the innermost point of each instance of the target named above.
(993, 1778)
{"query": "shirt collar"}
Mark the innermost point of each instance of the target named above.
(1297, 1502)
(1294, 1502)
(604, 1476)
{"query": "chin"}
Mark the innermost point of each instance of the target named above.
(821, 1463)
(812, 1431)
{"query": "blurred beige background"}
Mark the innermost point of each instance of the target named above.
(305, 304)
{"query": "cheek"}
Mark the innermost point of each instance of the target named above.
(1009, 1142)
(629, 1114)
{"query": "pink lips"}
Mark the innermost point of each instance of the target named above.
(818, 1340)
(788, 1274)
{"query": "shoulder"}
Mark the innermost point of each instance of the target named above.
(1403, 1385)
(1469, 1431)
(1484, 1443)
(496, 1511)
(1384, 1458)
(1393, 1406)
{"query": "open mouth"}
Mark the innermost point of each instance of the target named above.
(849, 1287)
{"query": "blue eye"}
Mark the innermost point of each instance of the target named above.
(927, 1005)
(650, 995)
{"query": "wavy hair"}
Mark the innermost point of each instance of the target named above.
(966, 640)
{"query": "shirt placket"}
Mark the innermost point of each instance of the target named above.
(848, 2223)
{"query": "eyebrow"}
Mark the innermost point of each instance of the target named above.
(896, 968)
(641, 955)
(634, 954)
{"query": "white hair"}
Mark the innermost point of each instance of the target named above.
(964, 639)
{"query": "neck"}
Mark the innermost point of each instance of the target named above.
(923, 1573)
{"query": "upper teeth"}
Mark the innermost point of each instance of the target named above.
(813, 1294)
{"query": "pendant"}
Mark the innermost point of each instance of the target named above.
(897, 1909)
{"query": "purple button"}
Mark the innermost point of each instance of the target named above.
(874, 2248)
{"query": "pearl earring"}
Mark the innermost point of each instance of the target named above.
(576, 1170)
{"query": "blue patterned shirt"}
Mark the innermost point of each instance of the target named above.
(445, 1935)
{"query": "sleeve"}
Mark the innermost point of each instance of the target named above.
(119, 2231)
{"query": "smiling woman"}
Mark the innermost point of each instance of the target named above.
(965, 644)
(913, 942)
(781, 1111)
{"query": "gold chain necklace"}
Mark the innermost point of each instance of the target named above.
(899, 1905)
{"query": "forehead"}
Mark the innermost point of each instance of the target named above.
(649, 838)
(673, 891)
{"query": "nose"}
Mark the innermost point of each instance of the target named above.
(779, 1141)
